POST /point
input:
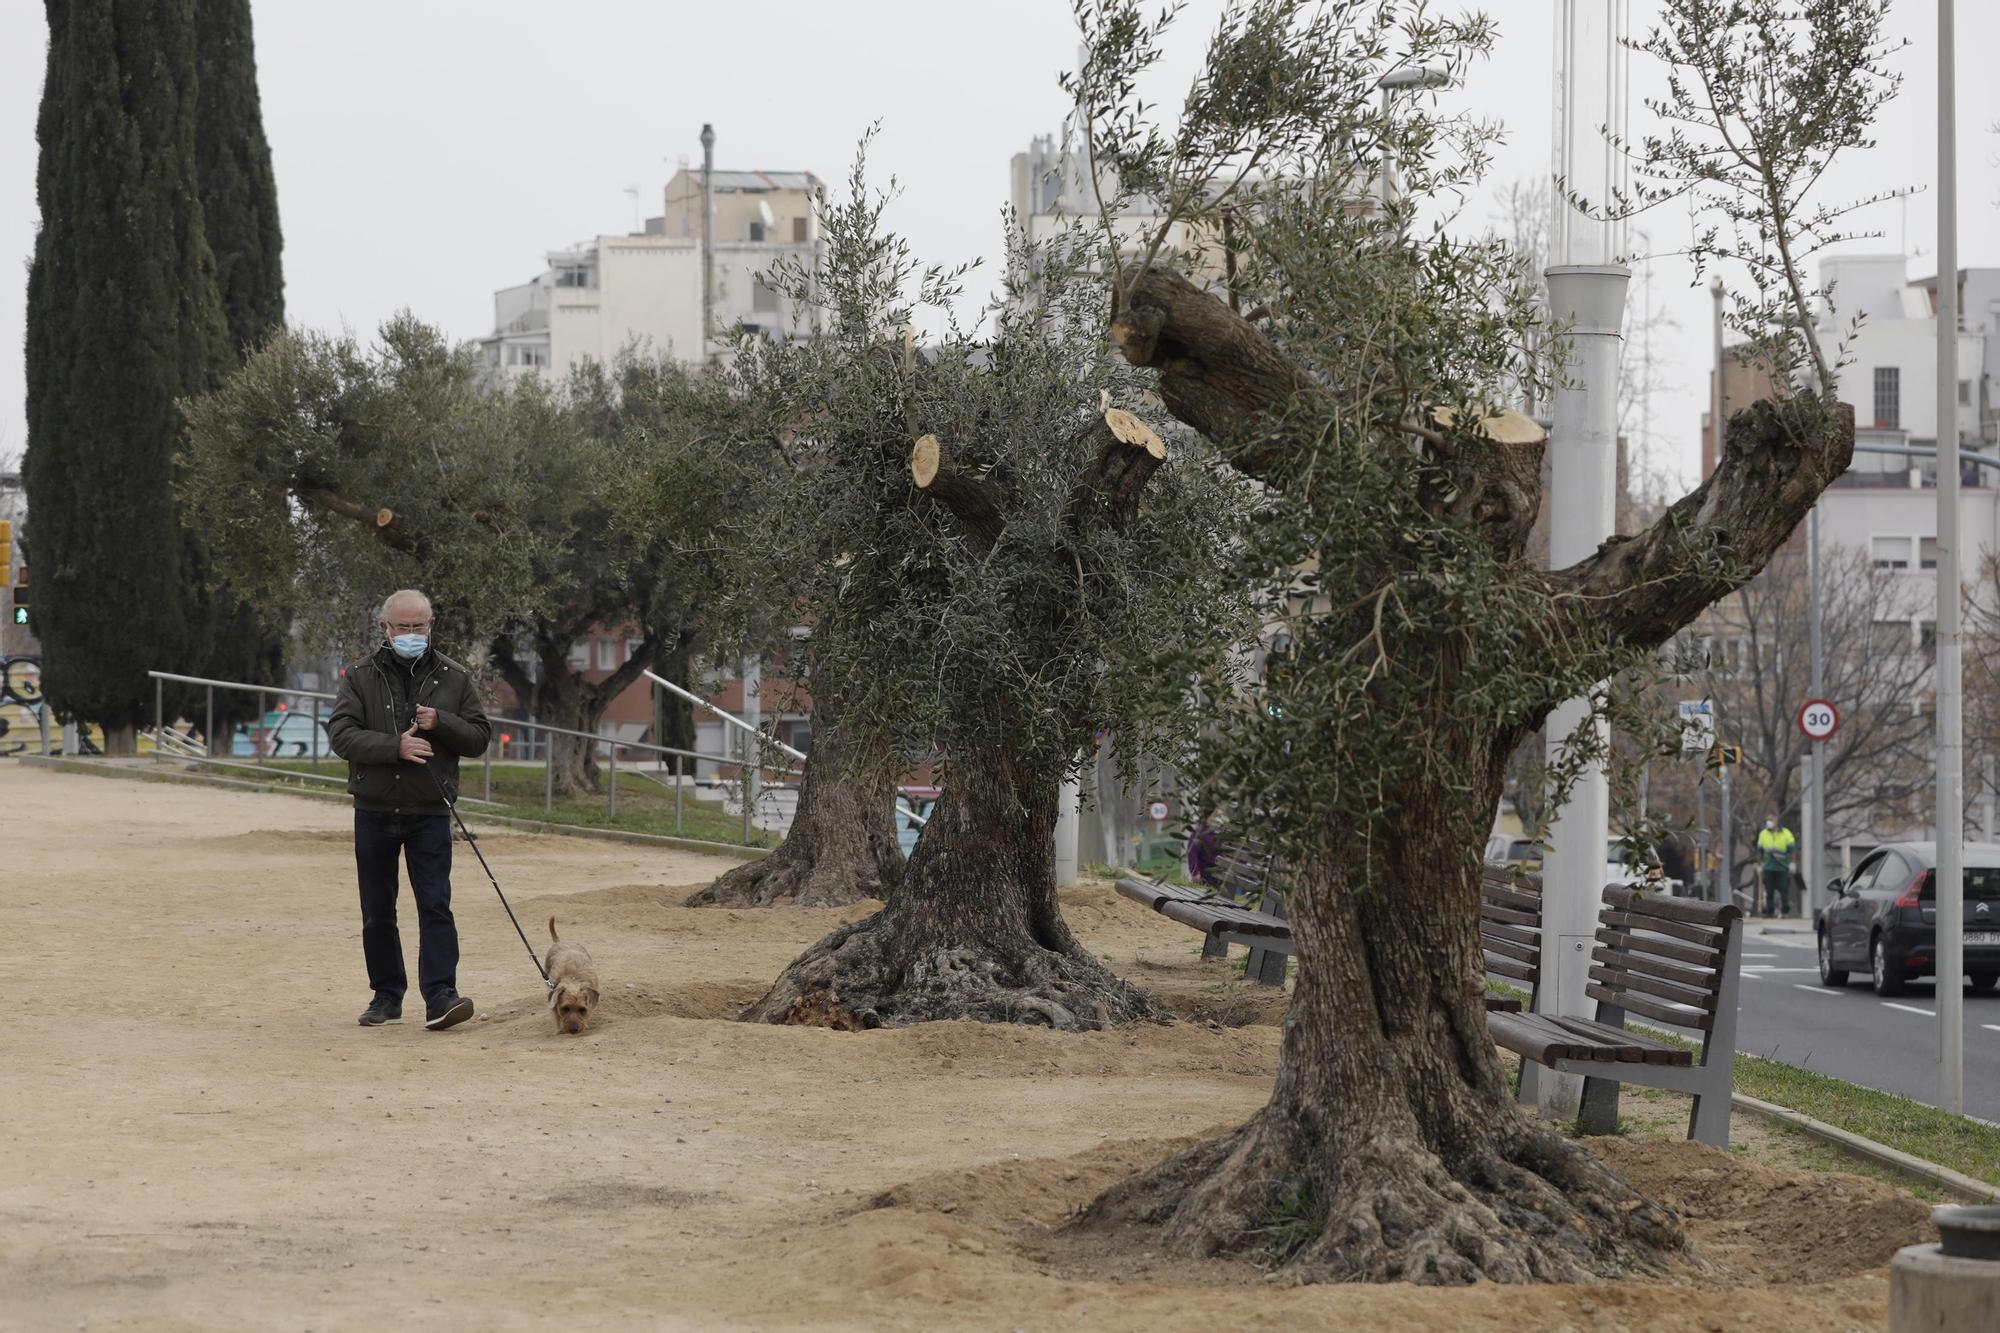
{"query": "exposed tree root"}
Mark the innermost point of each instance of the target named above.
(804, 874)
(1521, 1205)
(875, 973)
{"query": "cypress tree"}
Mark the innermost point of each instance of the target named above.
(239, 195)
(239, 206)
(123, 319)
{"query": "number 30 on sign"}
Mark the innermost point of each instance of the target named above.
(1818, 719)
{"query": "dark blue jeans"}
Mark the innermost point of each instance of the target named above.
(425, 844)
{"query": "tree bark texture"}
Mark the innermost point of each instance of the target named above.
(973, 930)
(842, 844)
(1391, 1148)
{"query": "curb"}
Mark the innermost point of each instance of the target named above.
(1956, 1184)
(92, 768)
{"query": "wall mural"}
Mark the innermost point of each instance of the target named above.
(21, 710)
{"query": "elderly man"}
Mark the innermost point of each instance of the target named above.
(405, 716)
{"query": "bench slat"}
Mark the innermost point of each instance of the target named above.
(1654, 1052)
(1507, 967)
(1675, 929)
(1714, 915)
(1662, 1013)
(1706, 980)
(1619, 979)
(1527, 939)
(1527, 953)
(1510, 916)
(1504, 897)
(1626, 942)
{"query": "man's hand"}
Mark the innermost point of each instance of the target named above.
(427, 718)
(412, 746)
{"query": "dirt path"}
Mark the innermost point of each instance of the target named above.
(199, 1136)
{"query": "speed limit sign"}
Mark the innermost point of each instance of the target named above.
(1818, 719)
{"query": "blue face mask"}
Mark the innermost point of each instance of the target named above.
(409, 647)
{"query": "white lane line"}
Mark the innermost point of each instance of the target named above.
(1764, 969)
(1816, 990)
(1991, 1027)
(1909, 1009)
(1760, 955)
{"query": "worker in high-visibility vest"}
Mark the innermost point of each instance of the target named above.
(1777, 843)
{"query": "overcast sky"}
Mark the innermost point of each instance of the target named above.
(431, 151)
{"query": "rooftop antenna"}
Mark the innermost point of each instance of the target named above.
(638, 223)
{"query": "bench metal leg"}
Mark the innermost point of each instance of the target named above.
(1597, 1112)
(1265, 966)
(1709, 1121)
(1214, 946)
(1529, 1093)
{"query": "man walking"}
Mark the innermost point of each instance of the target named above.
(404, 717)
(1776, 843)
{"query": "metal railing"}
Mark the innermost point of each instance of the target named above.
(183, 747)
(745, 729)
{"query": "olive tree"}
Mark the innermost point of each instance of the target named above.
(996, 535)
(1350, 370)
(325, 472)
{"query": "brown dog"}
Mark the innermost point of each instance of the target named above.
(572, 983)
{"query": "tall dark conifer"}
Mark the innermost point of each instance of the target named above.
(123, 320)
(239, 204)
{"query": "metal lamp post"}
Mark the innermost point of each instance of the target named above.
(1950, 721)
(1587, 284)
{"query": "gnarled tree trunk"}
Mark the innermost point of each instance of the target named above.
(1392, 1148)
(973, 931)
(842, 844)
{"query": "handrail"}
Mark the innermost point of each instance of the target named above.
(772, 741)
(238, 685)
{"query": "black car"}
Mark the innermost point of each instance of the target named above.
(1885, 918)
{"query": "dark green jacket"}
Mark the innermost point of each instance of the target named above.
(378, 699)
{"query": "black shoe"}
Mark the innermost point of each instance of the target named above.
(446, 1009)
(386, 1008)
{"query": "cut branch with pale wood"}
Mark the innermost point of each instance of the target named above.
(381, 520)
(973, 500)
(1128, 453)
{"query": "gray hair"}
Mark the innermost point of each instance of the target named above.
(403, 595)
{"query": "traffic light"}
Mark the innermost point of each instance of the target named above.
(1724, 755)
(6, 547)
(21, 598)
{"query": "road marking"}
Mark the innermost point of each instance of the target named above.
(1909, 1009)
(1816, 990)
(1763, 968)
(1760, 955)
(1991, 1027)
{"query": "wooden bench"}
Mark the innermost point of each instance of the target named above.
(1666, 960)
(1246, 868)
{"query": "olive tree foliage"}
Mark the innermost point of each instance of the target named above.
(996, 552)
(1352, 368)
(327, 473)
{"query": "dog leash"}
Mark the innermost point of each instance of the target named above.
(473, 843)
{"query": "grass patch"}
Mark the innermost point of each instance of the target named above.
(644, 806)
(1967, 1146)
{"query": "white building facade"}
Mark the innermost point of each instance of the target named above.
(644, 292)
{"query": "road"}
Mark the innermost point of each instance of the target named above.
(1853, 1034)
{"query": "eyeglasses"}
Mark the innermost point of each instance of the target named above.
(409, 626)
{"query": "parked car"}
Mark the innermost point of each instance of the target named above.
(1511, 849)
(1884, 919)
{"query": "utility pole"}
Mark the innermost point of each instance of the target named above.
(707, 239)
(1587, 285)
(1950, 683)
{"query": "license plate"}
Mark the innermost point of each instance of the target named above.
(1982, 937)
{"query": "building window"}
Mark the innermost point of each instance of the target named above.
(1927, 635)
(798, 231)
(756, 231)
(1888, 397)
(607, 654)
(762, 299)
(1927, 552)
(797, 733)
(1965, 393)
(579, 655)
(1892, 552)
(632, 647)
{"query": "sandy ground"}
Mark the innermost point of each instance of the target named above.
(199, 1136)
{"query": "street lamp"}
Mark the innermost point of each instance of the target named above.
(1396, 80)
(1950, 720)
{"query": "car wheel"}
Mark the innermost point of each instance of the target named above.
(1887, 973)
(1983, 980)
(1829, 975)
